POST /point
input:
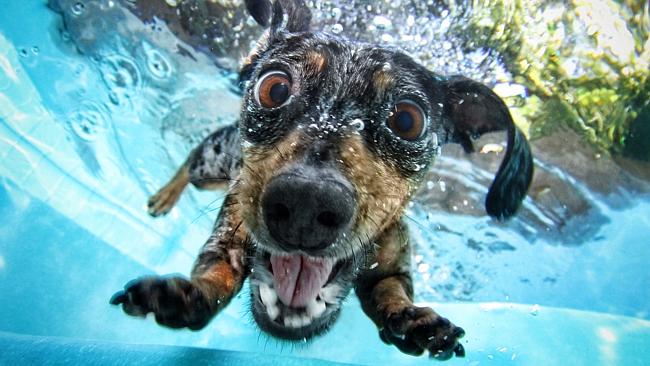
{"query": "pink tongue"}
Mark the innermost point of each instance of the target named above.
(298, 279)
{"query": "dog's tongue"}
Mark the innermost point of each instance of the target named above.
(298, 279)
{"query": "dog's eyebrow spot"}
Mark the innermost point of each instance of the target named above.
(383, 79)
(316, 61)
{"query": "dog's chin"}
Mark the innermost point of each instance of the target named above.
(314, 316)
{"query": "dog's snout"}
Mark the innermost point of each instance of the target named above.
(307, 211)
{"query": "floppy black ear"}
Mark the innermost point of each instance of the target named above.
(473, 109)
(289, 15)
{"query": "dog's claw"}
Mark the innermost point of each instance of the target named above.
(416, 329)
(175, 302)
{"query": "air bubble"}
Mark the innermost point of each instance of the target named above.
(387, 38)
(357, 124)
(381, 22)
(78, 8)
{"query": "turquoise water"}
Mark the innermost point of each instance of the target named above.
(86, 135)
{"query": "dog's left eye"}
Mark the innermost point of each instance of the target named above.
(407, 120)
(273, 89)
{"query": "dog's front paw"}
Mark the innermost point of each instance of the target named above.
(416, 329)
(176, 302)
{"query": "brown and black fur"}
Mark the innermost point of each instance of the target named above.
(336, 84)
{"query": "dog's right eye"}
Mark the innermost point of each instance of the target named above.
(273, 89)
(407, 120)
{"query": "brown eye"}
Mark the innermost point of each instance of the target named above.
(273, 89)
(407, 120)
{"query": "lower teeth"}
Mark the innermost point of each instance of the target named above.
(314, 309)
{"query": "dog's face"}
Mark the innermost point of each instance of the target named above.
(337, 137)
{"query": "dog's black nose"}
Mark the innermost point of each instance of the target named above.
(307, 210)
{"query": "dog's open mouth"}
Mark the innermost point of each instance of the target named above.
(296, 296)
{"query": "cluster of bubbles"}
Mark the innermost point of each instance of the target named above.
(432, 32)
(435, 33)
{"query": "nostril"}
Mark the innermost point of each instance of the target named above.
(328, 219)
(279, 212)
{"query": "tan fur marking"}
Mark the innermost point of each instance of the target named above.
(382, 80)
(220, 280)
(165, 199)
(262, 164)
(393, 254)
(382, 192)
(316, 61)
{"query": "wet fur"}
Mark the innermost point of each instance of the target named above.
(336, 81)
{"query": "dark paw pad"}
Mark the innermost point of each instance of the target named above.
(414, 330)
(175, 302)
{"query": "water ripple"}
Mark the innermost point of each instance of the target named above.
(121, 76)
(157, 63)
(88, 121)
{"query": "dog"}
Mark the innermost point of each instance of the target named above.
(333, 140)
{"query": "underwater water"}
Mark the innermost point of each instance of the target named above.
(98, 109)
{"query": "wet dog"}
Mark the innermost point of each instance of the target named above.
(334, 138)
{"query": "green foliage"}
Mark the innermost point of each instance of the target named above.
(584, 63)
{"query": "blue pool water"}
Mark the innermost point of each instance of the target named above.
(86, 138)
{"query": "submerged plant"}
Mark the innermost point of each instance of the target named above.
(584, 64)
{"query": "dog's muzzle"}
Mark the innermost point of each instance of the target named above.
(308, 208)
(301, 276)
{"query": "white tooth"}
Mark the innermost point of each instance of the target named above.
(297, 321)
(305, 320)
(316, 308)
(273, 311)
(268, 295)
(292, 321)
(330, 294)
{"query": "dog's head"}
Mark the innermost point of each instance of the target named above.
(337, 137)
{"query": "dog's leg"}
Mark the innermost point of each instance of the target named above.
(385, 290)
(211, 165)
(218, 275)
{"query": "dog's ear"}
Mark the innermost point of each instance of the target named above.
(288, 15)
(472, 109)
(284, 16)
